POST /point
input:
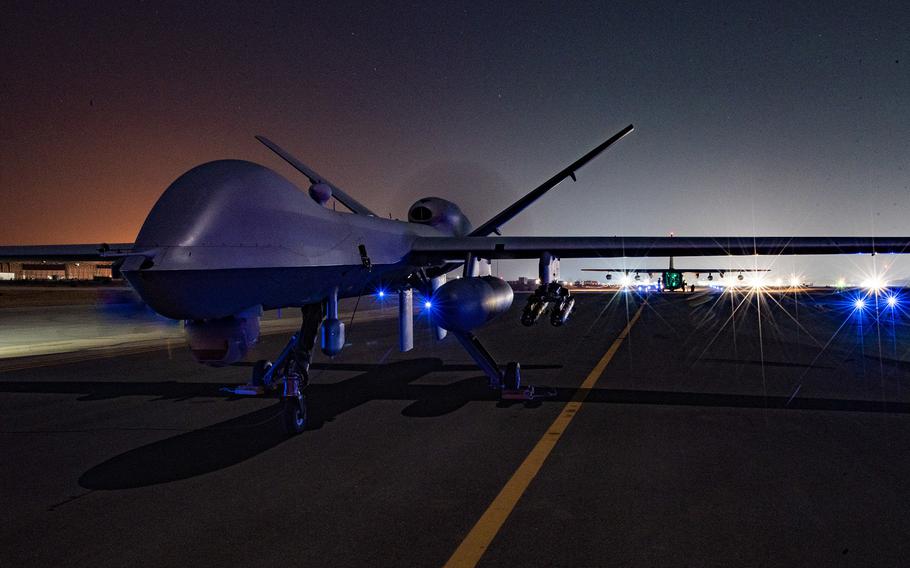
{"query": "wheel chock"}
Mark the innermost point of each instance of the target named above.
(527, 393)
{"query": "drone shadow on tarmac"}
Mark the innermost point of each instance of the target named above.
(233, 441)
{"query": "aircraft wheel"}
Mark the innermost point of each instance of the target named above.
(294, 415)
(260, 368)
(512, 378)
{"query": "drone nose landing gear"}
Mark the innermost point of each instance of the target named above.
(287, 378)
(289, 374)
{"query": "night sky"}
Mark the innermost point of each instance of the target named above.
(749, 119)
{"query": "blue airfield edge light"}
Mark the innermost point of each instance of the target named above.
(878, 301)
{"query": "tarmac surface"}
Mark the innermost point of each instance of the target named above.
(723, 430)
(101, 320)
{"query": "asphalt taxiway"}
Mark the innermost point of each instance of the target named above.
(108, 320)
(712, 430)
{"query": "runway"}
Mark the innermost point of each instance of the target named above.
(712, 430)
(99, 321)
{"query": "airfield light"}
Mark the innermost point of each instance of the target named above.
(794, 281)
(381, 293)
(860, 303)
(874, 283)
(841, 283)
(892, 302)
(756, 281)
(428, 304)
(625, 281)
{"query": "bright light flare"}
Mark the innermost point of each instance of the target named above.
(795, 281)
(891, 301)
(860, 304)
(874, 284)
(756, 281)
(625, 281)
(428, 304)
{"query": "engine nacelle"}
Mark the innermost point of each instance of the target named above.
(441, 214)
(468, 303)
(332, 336)
(223, 341)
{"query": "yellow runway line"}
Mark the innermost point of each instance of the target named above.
(474, 545)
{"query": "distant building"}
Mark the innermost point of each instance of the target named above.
(39, 270)
(523, 284)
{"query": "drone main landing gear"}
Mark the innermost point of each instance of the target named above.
(508, 380)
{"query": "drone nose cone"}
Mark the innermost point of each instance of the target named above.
(217, 204)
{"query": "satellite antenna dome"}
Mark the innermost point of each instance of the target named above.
(321, 193)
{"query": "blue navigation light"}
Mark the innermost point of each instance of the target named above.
(428, 304)
(381, 293)
(860, 303)
(892, 301)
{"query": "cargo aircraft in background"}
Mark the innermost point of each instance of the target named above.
(671, 278)
(230, 238)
